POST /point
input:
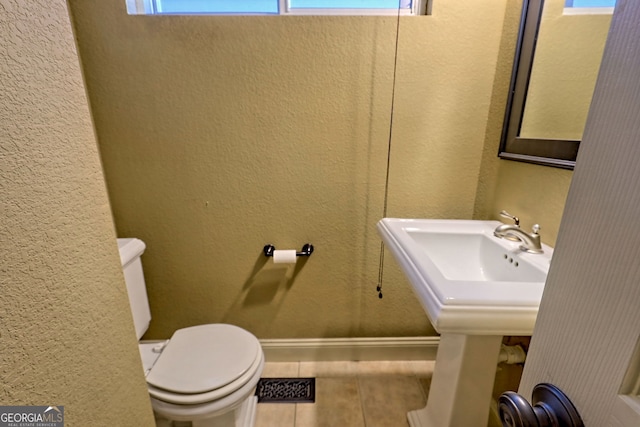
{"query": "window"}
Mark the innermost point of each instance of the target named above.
(588, 7)
(590, 3)
(278, 7)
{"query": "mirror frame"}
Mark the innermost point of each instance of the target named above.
(549, 152)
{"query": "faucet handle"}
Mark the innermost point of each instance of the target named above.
(535, 228)
(515, 219)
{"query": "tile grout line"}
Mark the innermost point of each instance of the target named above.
(358, 374)
(364, 417)
(424, 392)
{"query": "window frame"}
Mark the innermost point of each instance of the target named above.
(418, 8)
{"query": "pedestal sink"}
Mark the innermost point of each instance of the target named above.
(475, 288)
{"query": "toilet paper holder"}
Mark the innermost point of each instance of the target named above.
(307, 250)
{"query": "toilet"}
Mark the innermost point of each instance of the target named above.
(204, 375)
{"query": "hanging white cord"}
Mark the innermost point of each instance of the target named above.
(386, 181)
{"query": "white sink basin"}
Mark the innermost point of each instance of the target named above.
(468, 281)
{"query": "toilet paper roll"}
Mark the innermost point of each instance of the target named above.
(287, 256)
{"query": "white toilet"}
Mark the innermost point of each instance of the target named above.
(203, 374)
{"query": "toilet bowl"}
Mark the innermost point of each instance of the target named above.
(203, 374)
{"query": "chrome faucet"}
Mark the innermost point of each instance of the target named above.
(530, 242)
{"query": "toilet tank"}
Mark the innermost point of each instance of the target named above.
(130, 252)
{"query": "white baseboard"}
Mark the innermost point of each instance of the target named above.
(339, 349)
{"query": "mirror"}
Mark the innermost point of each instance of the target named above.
(556, 64)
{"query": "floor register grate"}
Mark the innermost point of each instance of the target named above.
(286, 390)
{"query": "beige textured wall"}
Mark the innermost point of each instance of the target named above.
(221, 134)
(536, 194)
(66, 335)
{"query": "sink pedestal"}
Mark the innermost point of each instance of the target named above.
(462, 383)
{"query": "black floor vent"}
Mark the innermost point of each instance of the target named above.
(286, 390)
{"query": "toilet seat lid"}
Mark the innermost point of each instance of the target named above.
(203, 358)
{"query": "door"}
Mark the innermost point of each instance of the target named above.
(586, 336)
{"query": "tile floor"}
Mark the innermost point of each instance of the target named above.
(350, 394)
